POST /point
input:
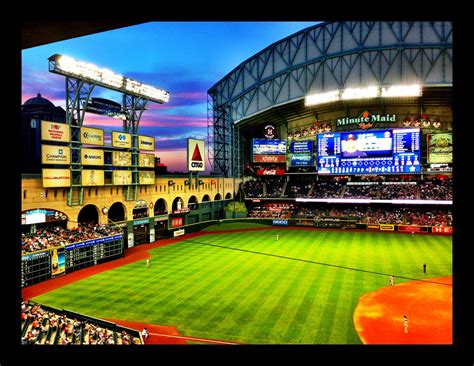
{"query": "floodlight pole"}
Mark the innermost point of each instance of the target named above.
(78, 93)
(133, 108)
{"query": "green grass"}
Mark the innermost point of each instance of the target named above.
(241, 296)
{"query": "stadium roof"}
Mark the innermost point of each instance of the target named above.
(37, 33)
(296, 110)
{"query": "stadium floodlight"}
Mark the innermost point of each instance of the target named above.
(360, 93)
(67, 66)
(401, 91)
(321, 98)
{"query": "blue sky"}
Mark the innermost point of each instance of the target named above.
(185, 58)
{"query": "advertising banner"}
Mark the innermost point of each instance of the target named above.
(146, 160)
(92, 177)
(54, 131)
(387, 227)
(152, 235)
(92, 157)
(280, 222)
(92, 136)
(300, 160)
(146, 177)
(178, 232)
(55, 155)
(146, 143)
(58, 262)
(270, 172)
(121, 177)
(439, 148)
(373, 227)
(161, 218)
(56, 178)
(297, 147)
(269, 158)
(121, 158)
(121, 139)
(442, 229)
(130, 240)
(269, 147)
(196, 154)
(411, 228)
(176, 221)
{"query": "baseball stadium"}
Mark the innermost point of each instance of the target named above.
(327, 216)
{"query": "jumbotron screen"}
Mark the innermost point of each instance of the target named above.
(370, 152)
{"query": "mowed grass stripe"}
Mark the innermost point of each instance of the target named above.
(286, 326)
(333, 288)
(303, 314)
(240, 299)
(250, 318)
(341, 317)
(221, 292)
(183, 299)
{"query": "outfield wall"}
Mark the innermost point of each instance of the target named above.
(333, 223)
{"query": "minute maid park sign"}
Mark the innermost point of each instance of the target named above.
(366, 120)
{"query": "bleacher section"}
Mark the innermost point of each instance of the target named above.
(43, 325)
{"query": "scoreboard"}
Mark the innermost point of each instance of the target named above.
(38, 266)
(370, 152)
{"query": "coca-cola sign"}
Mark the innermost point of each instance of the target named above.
(270, 172)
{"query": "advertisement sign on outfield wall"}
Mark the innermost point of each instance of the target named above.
(196, 154)
(60, 155)
(121, 139)
(54, 131)
(56, 178)
(92, 157)
(178, 232)
(387, 227)
(411, 228)
(146, 143)
(92, 136)
(442, 229)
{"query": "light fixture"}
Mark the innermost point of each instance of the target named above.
(360, 93)
(105, 210)
(67, 66)
(321, 98)
(401, 91)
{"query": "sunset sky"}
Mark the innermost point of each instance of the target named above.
(184, 58)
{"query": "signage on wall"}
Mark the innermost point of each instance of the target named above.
(269, 132)
(366, 120)
(196, 154)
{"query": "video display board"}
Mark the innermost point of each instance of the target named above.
(43, 265)
(300, 154)
(369, 152)
(269, 147)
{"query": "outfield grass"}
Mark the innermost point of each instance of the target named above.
(241, 296)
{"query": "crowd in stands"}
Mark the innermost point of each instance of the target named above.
(253, 188)
(415, 215)
(298, 186)
(56, 236)
(277, 210)
(274, 186)
(369, 191)
(40, 326)
(398, 191)
(306, 186)
(436, 188)
(327, 189)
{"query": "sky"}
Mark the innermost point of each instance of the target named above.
(184, 58)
